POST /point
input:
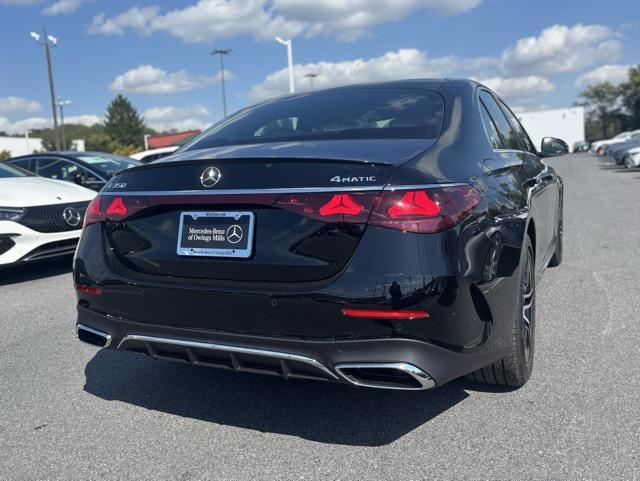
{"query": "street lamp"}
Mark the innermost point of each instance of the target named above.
(311, 76)
(222, 53)
(48, 41)
(288, 44)
(62, 103)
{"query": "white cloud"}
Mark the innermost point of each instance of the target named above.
(164, 119)
(210, 19)
(520, 89)
(452, 7)
(147, 79)
(64, 7)
(350, 19)
(135, 18)
(21, 126)
(19, 3)
(403, 63)
(615, 74)
(86, 119)
(18, 105)
(561, 49)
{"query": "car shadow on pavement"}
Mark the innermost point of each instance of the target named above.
(317, 411)
(35, 270)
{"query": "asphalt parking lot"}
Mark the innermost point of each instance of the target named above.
(70, 412)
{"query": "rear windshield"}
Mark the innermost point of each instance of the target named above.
(362, 114)
(10, 171)
(109, 164)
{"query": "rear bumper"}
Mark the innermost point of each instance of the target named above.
(383, 363)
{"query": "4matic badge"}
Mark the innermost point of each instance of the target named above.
(367, 178)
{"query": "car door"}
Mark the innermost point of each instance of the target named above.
(525, 166)
(25, 164)
(546, 178)
(67, 170)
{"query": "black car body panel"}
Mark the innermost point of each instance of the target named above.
(289, 294)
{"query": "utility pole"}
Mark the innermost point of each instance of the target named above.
(289, 44)
(222, 53)
(47, 42)
(61, 104)
(311, 76)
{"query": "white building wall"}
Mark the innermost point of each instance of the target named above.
(21, 145)
(566, 124)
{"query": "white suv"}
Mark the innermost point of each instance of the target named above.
(39, 218)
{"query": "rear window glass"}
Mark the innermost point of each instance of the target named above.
(10, 171)
(362, 114)
(108, 163)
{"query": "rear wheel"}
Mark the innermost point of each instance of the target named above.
(515, 369)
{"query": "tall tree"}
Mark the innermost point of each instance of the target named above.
(123, 123)
(602, 102)
(630, 91)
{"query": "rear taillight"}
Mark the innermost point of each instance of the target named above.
(328, 207)
(426, 210)
(416, 210)
(113, 208)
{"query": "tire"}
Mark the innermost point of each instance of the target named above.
(556, 258)
(515, 369)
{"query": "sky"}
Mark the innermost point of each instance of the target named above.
(537, 54)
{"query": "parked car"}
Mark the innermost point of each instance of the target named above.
(39, 218)
(147, 156)
(632, 158)
(617, 151)
(580, 146)
(387, 235)
(599, 145)
(89, 169)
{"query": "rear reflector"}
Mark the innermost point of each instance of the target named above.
(91, 290)
(384, 314)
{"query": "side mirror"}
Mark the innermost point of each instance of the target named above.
(552, 147)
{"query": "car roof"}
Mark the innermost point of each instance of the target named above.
(417, 83)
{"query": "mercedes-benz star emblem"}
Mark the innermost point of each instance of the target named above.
(210, 177)
(72, 216)
(234, 234)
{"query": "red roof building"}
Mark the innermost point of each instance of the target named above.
(167, 140)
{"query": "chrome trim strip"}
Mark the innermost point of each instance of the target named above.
(426, 381)
(232, 349)
(96, 332)
(282, 190)
(422, 186)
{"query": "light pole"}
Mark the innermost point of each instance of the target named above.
(61, 104)
(288, 44)
(47, 42)
(222, 53)
(311, 76)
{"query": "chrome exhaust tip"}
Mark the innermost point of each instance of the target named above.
(92, 336)
(391, 375)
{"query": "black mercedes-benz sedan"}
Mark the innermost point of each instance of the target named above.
(88, 169)
(386, 235)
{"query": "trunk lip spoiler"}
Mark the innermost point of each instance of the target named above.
(282, 190)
